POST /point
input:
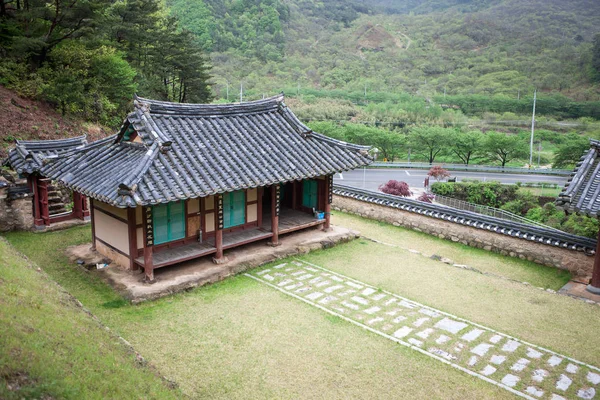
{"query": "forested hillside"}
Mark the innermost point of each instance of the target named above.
(89, 57)
(488, 47)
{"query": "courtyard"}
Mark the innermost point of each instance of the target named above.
(245, 338)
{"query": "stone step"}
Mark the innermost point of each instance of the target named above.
(56, 208)
(55, 199)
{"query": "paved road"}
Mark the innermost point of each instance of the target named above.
(372, 178)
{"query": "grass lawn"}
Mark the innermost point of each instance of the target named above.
(241, 339)
(485, 261)
(539, 191)
(50, 347)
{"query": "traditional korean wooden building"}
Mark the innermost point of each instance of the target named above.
(181, 181)
(27, 158)
(581, 195)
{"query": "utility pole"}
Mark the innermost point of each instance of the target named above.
(241, 92)
(365, 92)
(532, 129)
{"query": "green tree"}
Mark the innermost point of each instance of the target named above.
(504, 148)
(466, 145)
(570, 151)
(430, 141)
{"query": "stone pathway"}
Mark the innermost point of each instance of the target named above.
(517, 366)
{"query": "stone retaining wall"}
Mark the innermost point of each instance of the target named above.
(15, 214)
(577, 262)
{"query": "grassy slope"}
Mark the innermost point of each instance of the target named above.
(51, 347)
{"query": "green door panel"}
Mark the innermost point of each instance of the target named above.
(169, 222)
(234, 209)
(176, 220)
(160, 217)
(309, 193)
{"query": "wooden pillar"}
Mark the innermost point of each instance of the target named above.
(132, 233)
(77, 209)
(328, 201)
(259, 208)
(148, 265)
(594, 286)
(295, 195)
(275, 198)
(93, 224)
(85, 212)
(43, 200)
(219, 258)
(148, 229)
(37, 216)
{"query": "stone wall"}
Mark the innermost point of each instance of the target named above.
(15, 214)
(577, 262)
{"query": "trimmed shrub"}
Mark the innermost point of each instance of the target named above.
(397, 188)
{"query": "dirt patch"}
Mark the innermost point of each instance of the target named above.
(85, 256)
(17, 381)
(371, 37)
(26, 119)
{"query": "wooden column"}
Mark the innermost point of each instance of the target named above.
(132, 233)
(42, 200)
(93, 224)
(259, 209)
(85, 212)
(77, 207)
(594, 286)
(295, 195)
(275, 198)
(148, 228)
(219, 258)
(148, 264)
(37, 216)
(328, 201)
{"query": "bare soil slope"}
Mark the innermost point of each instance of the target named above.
(22, 118)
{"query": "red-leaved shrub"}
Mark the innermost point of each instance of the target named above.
(396, 188)
(426, 197)
(438, 173)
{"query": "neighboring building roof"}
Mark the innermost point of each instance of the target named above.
(581, 193)
(194, 150)
(27, 156)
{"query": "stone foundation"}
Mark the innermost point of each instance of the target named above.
(116, 257)
(578, 263)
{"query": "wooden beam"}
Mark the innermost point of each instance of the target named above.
(132, 232)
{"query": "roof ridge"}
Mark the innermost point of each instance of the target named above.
(157, 107)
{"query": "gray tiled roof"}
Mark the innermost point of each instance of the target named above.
(581, 193)
(27, 156)
(196, 150)
(550, 237)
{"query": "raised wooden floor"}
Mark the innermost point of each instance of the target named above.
(289, 221)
